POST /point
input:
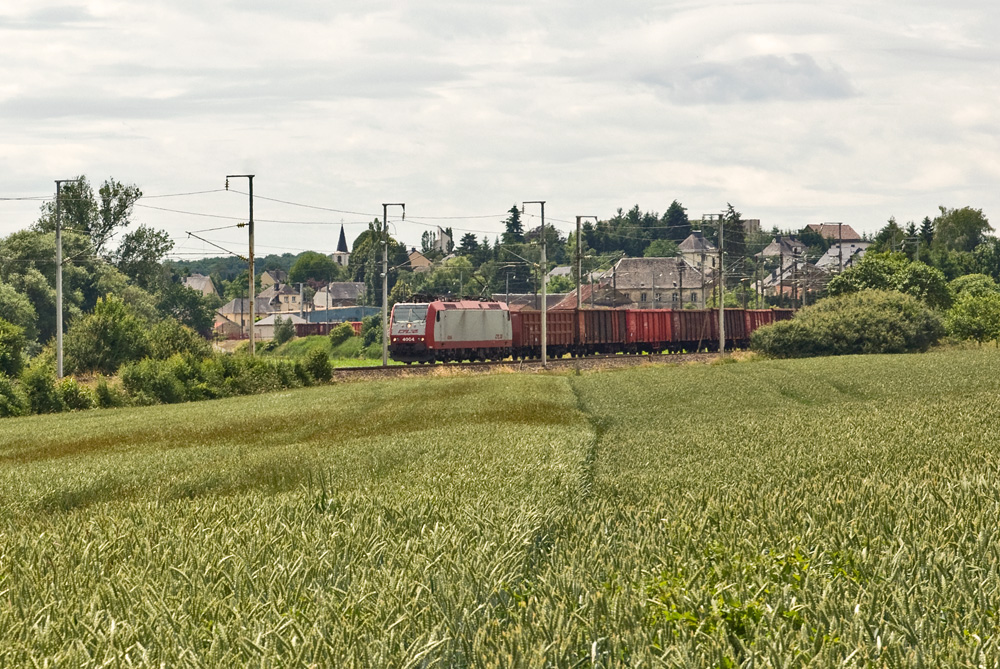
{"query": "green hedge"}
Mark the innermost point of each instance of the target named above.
(870, 321)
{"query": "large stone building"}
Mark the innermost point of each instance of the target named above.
(659, 283)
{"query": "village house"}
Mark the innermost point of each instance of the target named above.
(201, 284)
(418, 261)
(271, 277)
(835, 232)
(339, 294)
(844, 255)
(281, 298)
(659, 283)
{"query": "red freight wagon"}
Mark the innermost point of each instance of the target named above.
(601, 330)
(782, 314)
(648, 329)
(559, 331)
(757, 318)
(736, 328)
(694, 328)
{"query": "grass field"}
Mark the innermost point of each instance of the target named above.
(795, 513)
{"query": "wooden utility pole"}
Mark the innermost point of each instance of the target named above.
(252, 290)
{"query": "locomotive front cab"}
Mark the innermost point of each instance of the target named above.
(408, 333)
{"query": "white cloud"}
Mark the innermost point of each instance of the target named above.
(793, 111)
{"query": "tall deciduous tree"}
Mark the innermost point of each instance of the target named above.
(100, 216)
(315, 266)
(960, 229)
(140, 255)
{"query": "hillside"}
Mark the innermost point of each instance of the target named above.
(797, 511)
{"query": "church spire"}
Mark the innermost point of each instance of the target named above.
(342, 244)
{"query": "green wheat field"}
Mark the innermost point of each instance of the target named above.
(765, 513)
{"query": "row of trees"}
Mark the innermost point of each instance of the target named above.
(104, 254)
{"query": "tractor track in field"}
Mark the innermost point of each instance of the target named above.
(526, 366)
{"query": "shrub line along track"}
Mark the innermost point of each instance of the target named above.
(531, 366)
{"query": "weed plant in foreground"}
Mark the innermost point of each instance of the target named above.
(793, 513)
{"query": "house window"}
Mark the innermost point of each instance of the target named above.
(643, 297)
(659, 297)
(694, 297)
(673, 297)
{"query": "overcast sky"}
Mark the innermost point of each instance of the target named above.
(794, 112)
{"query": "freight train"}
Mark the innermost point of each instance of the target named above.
(468, 330)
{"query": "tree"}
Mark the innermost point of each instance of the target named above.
(188, 306)
(82, 212)
(960, 229)
(735, 240)
(17, 309)
(676, 222)
(514, 233)
(315, 266)
(560, 284)
(365, 263)
(926, 233)
(817, 243)
(889, 238)
(12, 343)
(661, 248)
(469, 245)
(894, 271)
(107, 338)
(284, 330)
(975, 285)
(140, 255)
(27, 265)
(987, 257)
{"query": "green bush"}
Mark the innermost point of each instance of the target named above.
(341, 333)
(869, 321)
(13, 401)
(976, 285)
(39, 384)
(108, 396)
(975, 316)
(318, 364)
(74, 396)
(152, 381)
(371, 330)
(170, 336)
(104, 340)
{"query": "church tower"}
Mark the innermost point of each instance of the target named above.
(342, 254)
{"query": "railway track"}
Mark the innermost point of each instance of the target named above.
(525, 366)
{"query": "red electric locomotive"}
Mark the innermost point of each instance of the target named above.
(450, 331)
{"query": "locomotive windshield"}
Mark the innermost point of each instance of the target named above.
(409, 313)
